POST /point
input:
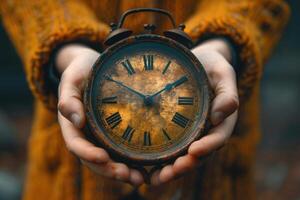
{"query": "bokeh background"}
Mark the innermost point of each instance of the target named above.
(278, 158)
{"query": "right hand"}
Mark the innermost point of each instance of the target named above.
(74, 62)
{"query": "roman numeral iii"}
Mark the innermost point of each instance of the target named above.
(148, 62)
(127, 65)
(185, 100)
(127, 135)
(147, 139)
(109, 100)
(114, 120)
(180, 120)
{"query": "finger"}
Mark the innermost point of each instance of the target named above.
(101, 169)
(122, 172)
(155, 178)
(118, 171)
(166, 174)
(215, 139)
(70, 97)
(136, 178)
(226, 97)
(184, 164)
(78, 145)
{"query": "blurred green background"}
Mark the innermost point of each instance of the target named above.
(278, 163)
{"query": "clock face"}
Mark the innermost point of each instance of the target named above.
(148, 99)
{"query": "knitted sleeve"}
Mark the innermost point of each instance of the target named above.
(253, 26)
(36, 28)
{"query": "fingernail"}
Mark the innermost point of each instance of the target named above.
(75, 119)
(217, 117)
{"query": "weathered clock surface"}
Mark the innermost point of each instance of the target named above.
(148, 100)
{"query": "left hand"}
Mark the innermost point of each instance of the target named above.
(74, 62)
(215, 56)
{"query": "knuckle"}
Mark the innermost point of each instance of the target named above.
(234, 102)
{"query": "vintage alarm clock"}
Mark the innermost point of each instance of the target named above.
(148, 97)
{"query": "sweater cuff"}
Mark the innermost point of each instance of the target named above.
(37, 28)
(43, 75)
(232, 49)
(241, 34)
(52, 75)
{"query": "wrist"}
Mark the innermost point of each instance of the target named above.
(218, 45)
(66, 54)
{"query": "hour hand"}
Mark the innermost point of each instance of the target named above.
(170, 86)
(179, 81)
(107, 77)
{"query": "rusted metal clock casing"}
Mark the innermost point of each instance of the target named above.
(136, 158)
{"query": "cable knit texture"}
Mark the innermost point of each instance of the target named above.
(37, 27)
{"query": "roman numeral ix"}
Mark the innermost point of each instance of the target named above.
(109, 100)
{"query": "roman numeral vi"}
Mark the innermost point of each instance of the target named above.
(147, 139)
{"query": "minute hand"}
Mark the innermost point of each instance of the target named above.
(127, 87)
(170, 86)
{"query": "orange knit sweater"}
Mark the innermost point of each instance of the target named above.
(36, 27)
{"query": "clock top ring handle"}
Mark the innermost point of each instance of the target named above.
(118, 32)
(136, 10)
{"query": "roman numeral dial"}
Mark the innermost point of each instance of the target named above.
(147, 101)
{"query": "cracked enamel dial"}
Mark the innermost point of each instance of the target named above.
(148, 101)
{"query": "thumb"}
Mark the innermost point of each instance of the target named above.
(70, 100)
(226, 100)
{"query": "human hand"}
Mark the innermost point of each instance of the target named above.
(74, 62)
(215, 56)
